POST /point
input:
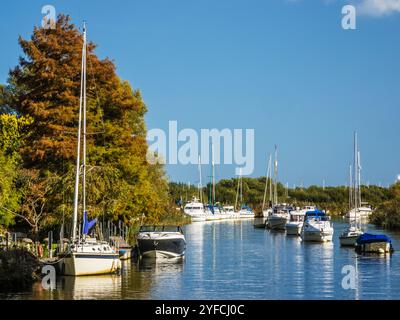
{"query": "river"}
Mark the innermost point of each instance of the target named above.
(230, 260)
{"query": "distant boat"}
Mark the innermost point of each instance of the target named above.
(359, 209)
(244, 210)
(165, 242)
(280, 213)
(279, 217)
(297, 217)
(350, 235)
(371, 243)
(195, 209)
(317, 227)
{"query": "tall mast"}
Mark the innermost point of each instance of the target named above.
(84, 126)
(276, 176)
(266, 183)
(270, 178)
(237, 192)
(241, 188)
(78, 159)
(350, 188)
(200, 182)
(213, 174)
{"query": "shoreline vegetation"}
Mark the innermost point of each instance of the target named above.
(335, 200)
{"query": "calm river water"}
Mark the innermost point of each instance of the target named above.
(232, 260)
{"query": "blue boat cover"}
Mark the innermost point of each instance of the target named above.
(315, 213)
(371, 238)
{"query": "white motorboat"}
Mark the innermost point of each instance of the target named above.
(195, 210)
(294, 226)
(363, 212)
(317, 227)
(246, 212)
(230, 211)
(85, 255)
(161, 242)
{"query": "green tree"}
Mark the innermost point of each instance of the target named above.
(45, 86)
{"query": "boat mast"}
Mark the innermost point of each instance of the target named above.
(276, 176)
(213, 174)
(237, 192)
(355, 185)
(200, 182)
(241, 188)
(84, 128)
(266, 183)
(350, 188)
(78, 160)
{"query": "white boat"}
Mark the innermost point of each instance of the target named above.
(161, 242)
(195, 210)
(295, 225)
(363, 212)
(84, 255)
(279, 217)
(317, 227)
(230, 211)
(349, 237)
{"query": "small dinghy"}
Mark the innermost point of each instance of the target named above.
(374, 243)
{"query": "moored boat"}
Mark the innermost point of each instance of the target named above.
(317, 227)
(374, 243)
(294, 226)
(161, 242)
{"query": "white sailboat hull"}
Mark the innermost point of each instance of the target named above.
(85, 264)
(277, 222)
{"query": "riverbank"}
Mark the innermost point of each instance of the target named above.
(18, 269)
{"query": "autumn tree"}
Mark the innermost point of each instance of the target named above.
(45, 86)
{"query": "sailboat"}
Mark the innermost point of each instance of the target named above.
(85, 255)
(244, 210)
(280, 212)
(213, 210)
(350, 235)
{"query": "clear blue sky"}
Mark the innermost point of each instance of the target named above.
(283, 67)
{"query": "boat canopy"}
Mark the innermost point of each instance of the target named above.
(315, 213)
(371, 238)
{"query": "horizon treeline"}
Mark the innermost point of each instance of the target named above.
(334, 199)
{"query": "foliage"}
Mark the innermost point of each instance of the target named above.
(334, 199)
(387, 214)
(41, 100)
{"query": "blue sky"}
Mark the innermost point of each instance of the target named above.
(283, 67)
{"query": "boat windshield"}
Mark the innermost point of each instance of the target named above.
(160, 229)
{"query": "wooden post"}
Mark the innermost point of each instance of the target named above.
(50, 235)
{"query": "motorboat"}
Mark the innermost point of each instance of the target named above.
(363, 212)
(166, 242)
(195, 209)
(317, 227)
(374, 243)
(279, 217)
(294, 226)
(246, 212)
